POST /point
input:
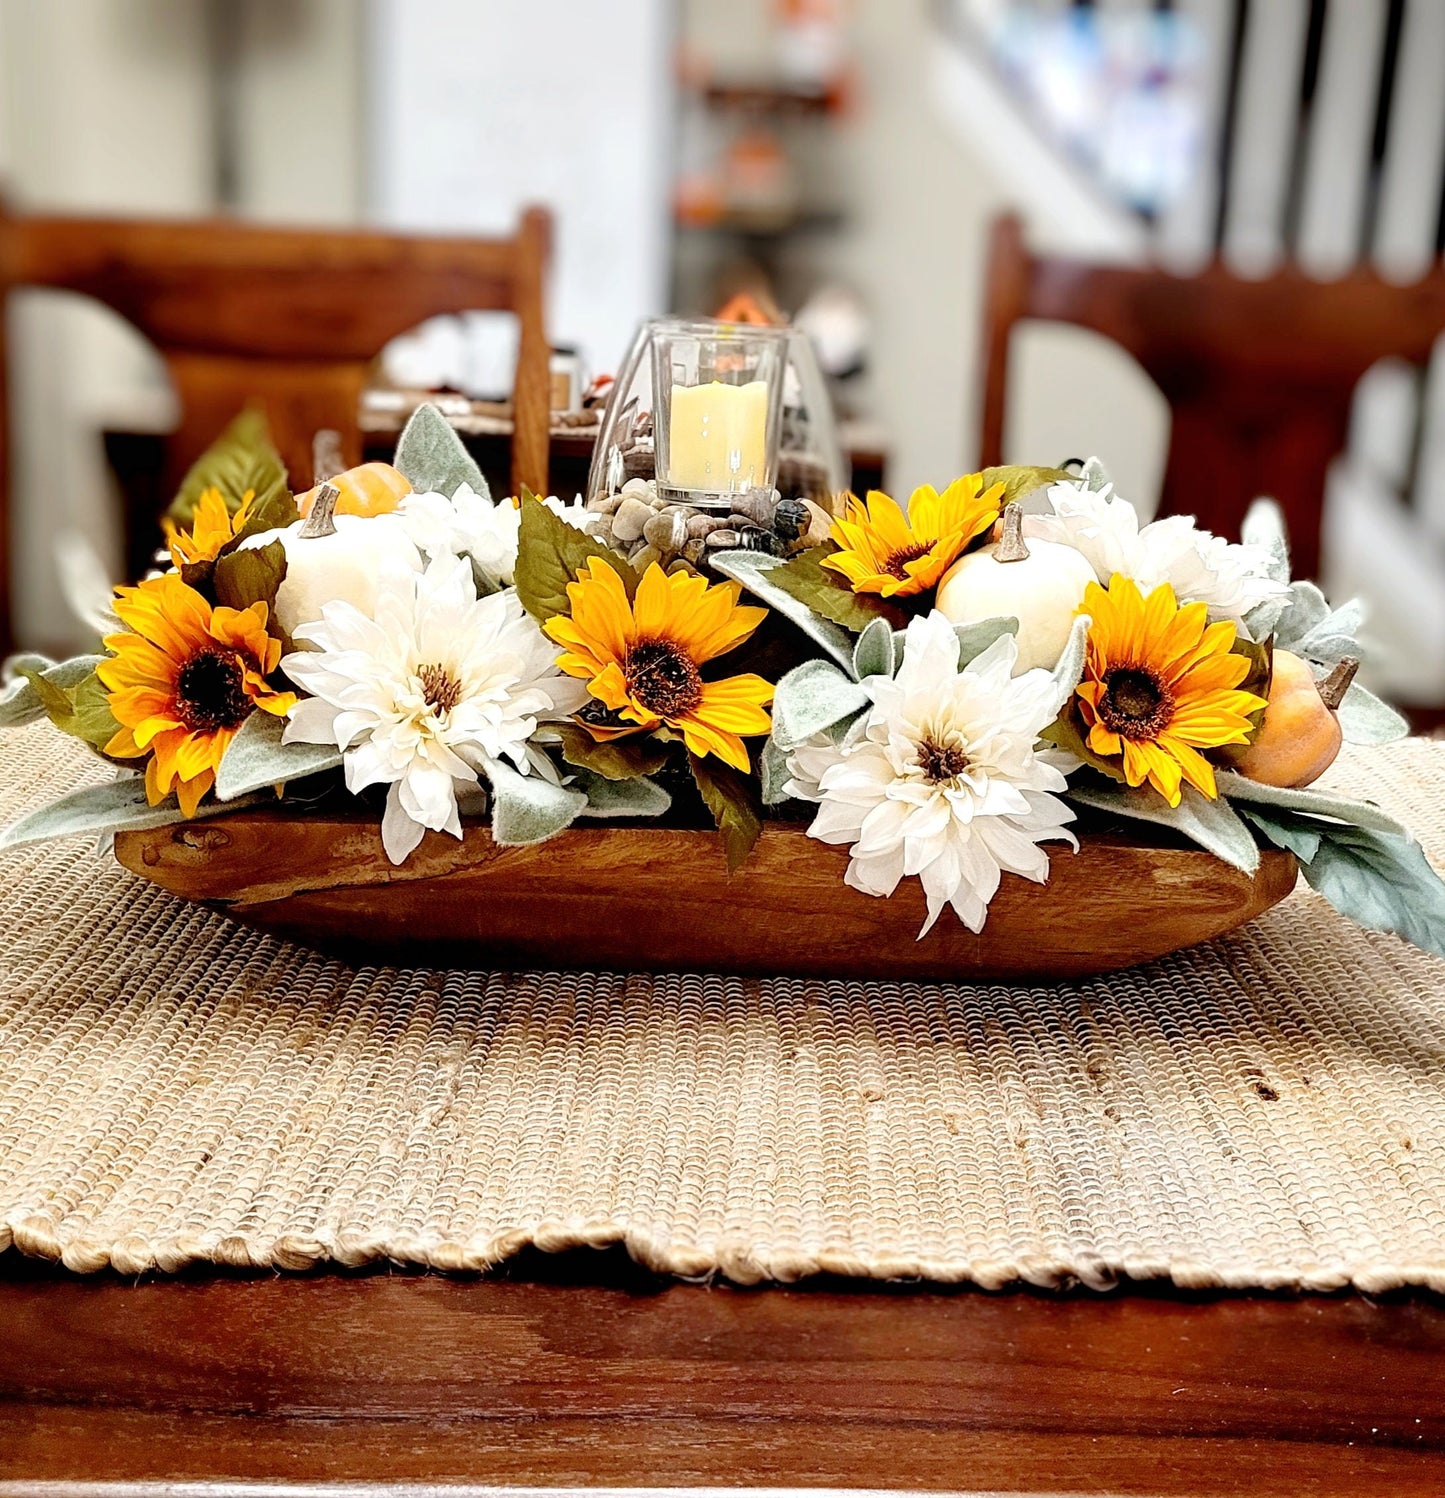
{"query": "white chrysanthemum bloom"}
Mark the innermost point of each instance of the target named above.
(940, 778)
(1200, 566)
(434, 690)
(470, 525)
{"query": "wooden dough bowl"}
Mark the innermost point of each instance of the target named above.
(660, 898)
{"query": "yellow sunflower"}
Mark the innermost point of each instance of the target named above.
(642, 659)
(1160, 684)
(885, 551)
(184, 682)
(212, 527)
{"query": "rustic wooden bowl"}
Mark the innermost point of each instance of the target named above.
(660, 898)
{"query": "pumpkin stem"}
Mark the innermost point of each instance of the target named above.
(326, 459)
(1011, 546)
(321, 522)
(1333, 688)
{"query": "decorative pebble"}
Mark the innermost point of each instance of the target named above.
(642, 557)
(681, 565)
(667, 532)
(692, 552)
(628, 521)
(723, 539)
(604, 504)
(699, 524)
(637, 486)
(820, 524)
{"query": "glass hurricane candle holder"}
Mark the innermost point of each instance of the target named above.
(717, 409)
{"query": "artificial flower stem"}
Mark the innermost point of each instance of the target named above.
(1333, 688)
(321, 522)
(326, 459)
(1011, 545)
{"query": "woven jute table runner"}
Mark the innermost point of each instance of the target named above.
(1266, 1111)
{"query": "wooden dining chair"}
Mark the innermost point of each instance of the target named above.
(1259, 375)
(291, 320)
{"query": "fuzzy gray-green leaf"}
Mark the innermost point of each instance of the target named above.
(873, 651)
(755, 571)
(116, 806)
(621, 798)
(20, 701)
(810, 699)
(528, 809)
(1311, 802)
(257, 759)
(1212, 824)
(1364, 719)
(1264, 528)
(432, 457)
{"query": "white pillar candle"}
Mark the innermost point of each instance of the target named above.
(717, 436)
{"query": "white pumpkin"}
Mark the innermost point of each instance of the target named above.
(1039, 583)
(331, 557)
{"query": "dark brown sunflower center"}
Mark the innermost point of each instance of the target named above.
(1135, 704)
(440, 688)
(898, 561)
(661, 679)
(941, 762)
(211, 691)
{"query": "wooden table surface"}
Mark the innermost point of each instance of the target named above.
(583, 1371)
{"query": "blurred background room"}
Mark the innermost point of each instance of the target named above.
(841, 162)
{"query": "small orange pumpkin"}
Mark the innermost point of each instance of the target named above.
(1300, 735)
(371, 489)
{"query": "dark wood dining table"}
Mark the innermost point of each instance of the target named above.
(582, 1372)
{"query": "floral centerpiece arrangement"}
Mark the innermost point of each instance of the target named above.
(950, 691)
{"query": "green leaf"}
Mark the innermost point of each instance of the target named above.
(1066, 732)
(629, 758)
(1314, 803)
(621, 798)
(551, 554)
(758, 573)
(826, 592)
(529, 809)
(1212, 824)
(241, 458)
(250, 576)
(1364, 719)
(1381, 881)
(1019, 481)
(103, 809)
(20, 701)
(873, 651)
(810, 699)
(257, 759)
(433, 458)
(81, 710)
(732, 799)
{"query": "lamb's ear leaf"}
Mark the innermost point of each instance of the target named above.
(1312, 802)
(1019, 480)
(629, 758)
(20, 701)
(810, 699)
(550, 555)
(256, 758)
(621, 798)
(1264, 527)
(116, 806)
(242, 458)
(975, 638)
(432, 457)
(773, 774)
(1378, 879)
(758, 573)
(1070, 666)
(1093, 475)
(1364, 719)
(731, 797)
(1214, 825)
(873, 651)
(528, 808)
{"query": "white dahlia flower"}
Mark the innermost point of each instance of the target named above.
(1200, 566)
(428, 695)
(468, 524)
(940, 778)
